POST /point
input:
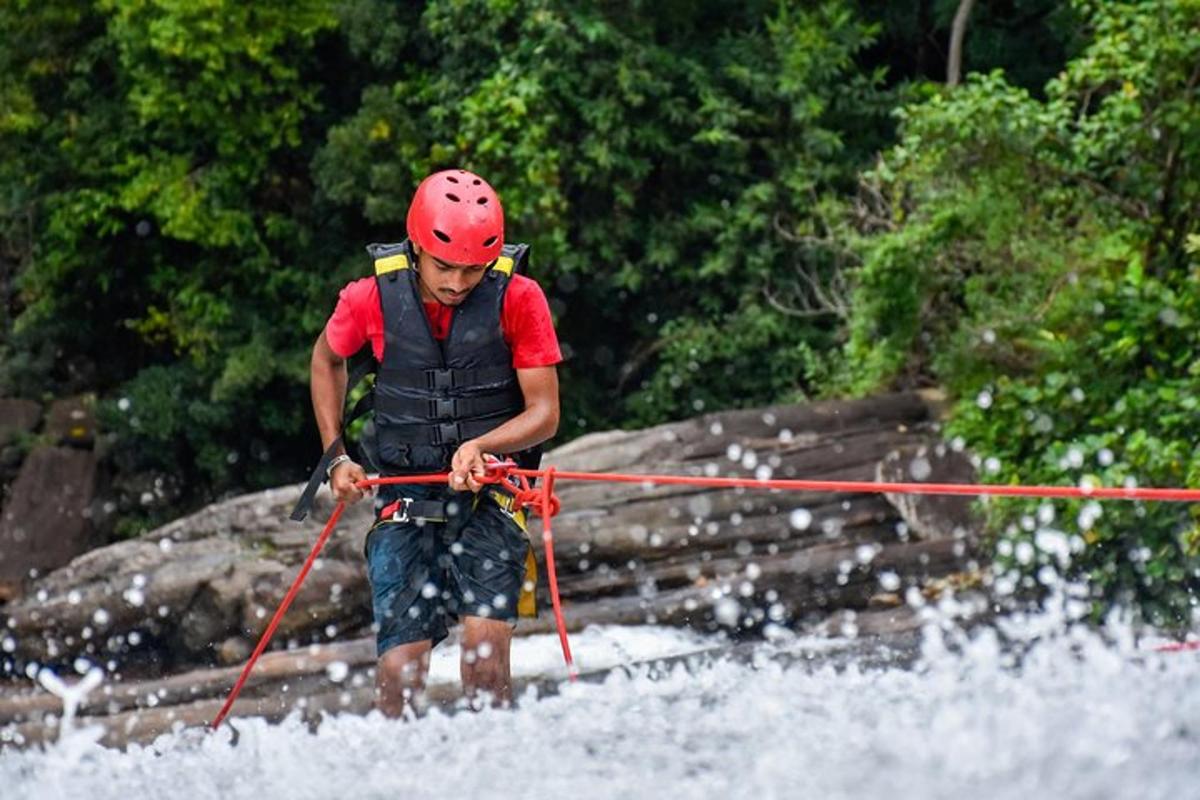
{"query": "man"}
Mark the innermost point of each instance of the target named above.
(467, 353)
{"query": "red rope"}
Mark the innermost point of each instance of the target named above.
(548, 507)
(970, 489)
(279, 612)
(547, 504)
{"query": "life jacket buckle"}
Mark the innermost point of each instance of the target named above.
(439, 378)
(446, 433)
(442, 408)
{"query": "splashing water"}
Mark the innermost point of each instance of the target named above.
(71, 695)
(1031, 707)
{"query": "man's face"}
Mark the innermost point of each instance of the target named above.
(447, 283)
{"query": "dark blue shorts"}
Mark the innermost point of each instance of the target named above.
(424, 576)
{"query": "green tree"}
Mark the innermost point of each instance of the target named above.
(156, 150)
(1031, 256)
(660, 157)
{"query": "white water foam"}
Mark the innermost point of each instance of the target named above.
(1077, 715)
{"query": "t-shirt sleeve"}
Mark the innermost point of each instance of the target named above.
(349, 327)
(528, 327)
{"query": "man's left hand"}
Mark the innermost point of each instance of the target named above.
(467, 467)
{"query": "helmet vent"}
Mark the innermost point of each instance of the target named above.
(452, 179)
(476, 182)
(453, 197)
(482, 201)
(488, 242)
(444, 237)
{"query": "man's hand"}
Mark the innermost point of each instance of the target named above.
(466, 467)
(342, 480)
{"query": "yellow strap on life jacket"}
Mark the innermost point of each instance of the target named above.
(504, 264)
(391, 263)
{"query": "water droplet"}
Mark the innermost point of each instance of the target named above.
(337, 671)
(727, 612)
(800, 519)
(920, 469)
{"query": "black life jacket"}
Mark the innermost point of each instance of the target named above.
(430, 396)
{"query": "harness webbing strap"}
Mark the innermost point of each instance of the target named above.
(450, 408)
(447, 378)
(436, 434)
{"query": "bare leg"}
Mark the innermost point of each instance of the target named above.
(485, 659)
(400, 677)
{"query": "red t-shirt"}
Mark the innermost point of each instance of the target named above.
(524, 319)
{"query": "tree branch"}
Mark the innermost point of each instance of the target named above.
(958, 32)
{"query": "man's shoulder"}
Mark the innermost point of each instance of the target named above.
(361, 291)
(524, 286)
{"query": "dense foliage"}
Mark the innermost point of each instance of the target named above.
(1038, 257)
(730, 204)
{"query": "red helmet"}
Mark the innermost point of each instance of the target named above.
(456, 216)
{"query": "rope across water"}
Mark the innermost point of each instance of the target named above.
(544, 502)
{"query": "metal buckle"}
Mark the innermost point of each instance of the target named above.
(401, 514)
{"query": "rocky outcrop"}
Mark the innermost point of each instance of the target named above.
(201, 589)
(173, 613)
(46, 516)
(45, 521)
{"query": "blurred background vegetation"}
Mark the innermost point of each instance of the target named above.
(730, 204)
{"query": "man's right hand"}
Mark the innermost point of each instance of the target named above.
(342, 480)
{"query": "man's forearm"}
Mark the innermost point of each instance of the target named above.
(531, 427)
